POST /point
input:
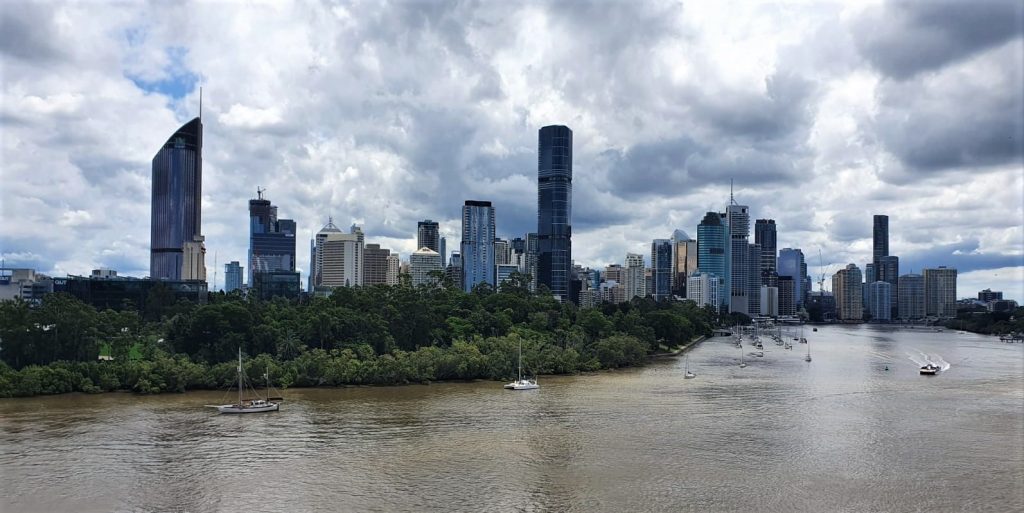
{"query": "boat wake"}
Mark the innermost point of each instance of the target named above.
(922, 359)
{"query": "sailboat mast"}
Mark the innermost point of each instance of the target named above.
(520, 359)
(239, 377)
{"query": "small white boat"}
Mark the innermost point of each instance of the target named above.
(686, 373)
(257, 405)
(742, 363)
(522, 384)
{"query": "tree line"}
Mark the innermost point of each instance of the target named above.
(359, 335)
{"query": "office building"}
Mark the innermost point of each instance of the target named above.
(120, 293)
(176, 209)
(847, 289)
(428, 236)
(554, 209)
(879, 301)
(766, 236)
(613, 288)
(477, 247)
(880, 240)
(341, 257)
(24, 284)
(394, 269)
(739, 249)
(684, 261)
(769, 301)
(502, 252)
(454, 270)
(712, 254)
(271, 240)
(888, 270)
(661, 269)
(989, 295)
(375, 265)
(424, 264)
(940, 292)
(911, 297)
(504, 272)
(787, 296)
(232, 276)
(754, 279)
(791, 264)
(703, 289)
(316, 261)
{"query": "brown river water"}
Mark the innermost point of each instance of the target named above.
(840, 433)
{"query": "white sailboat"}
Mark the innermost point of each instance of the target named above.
(808, 357)
(742, 363)
(255, 405)
(687, 374)
(522, 384)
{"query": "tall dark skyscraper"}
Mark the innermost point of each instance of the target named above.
(713, 251)
(766, 236)
(661, 269)
(427, 235)
(176, 223)
(880, 236)
(554, 209)
(477, 247)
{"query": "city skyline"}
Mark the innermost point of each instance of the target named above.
(791, 129)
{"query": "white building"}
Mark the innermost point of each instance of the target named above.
(702, 288)
(394, 266)
(634, 280)
(340, 256)
(422, 263)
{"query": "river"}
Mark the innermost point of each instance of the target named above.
(840, 433)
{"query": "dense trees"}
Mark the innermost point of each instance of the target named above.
(368, 335)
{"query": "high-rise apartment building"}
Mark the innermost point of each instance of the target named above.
(661, 269)
(502, 252)
(375, 265)
(477, 247)
(766, 236)
(911, 297)
(712, 252)
(177, 207)
(316, 260)
(879, 301)
(940, 291)
(634, 280)
(847, 288)
(394, 269)
(554, 209)
(232, 276)
(787, 296)
(702, 288)
(428, 236)
(769, 303)
(423, 264)
(454, 270)
(754, 279)
(880, 240)
(989, 295)
(739, 249)
(888, 270)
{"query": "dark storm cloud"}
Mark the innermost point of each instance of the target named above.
(963, 256)
(904, 38)
(27, 31)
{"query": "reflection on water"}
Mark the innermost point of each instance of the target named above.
(840, 433)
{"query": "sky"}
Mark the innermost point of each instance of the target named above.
(385, 113)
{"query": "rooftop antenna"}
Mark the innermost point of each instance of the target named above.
(731, 200)
(200, 102)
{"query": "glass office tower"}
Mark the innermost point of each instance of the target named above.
(177, 200)
(554, 209)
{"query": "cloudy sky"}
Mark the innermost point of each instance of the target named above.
(383, 114)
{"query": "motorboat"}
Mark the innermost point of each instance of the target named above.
(930, 369)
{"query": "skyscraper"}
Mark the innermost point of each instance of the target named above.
(532, 254)
(554, 209)
(232, 276)
(766, 236)
(177, 206)
(754, 280)
(888, 270)
(787, 296)
(661, 269)
(880, 239)
(791, 263)
(477, 247)
(712, 254)
(271, 240)
(316, 257)
(340, 258)
(879, 299)
(847, 289)
(394, 267)
(422, 263)
(940, 292)
(739, 235)
(684, 260)
(427, 235)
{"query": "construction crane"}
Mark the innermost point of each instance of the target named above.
(821, 267)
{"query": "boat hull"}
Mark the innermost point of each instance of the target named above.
(235, 409)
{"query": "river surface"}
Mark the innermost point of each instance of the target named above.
(840, 433)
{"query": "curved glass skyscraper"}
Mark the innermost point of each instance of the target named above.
(554, 209)
(177, 204)
(713, 251)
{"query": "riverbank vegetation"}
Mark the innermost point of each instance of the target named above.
(357, 336)
(988, 323)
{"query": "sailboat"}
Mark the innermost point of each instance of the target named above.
(522, 384)
(808, 357)
(742, 363)
(687, 374)
(256, 405)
